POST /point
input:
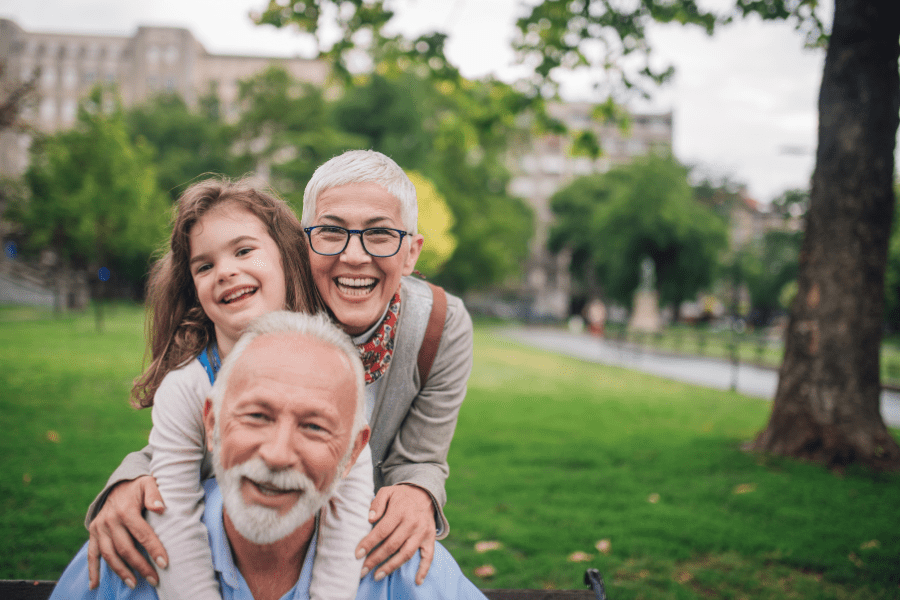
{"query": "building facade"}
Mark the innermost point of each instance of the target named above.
(153, 60)
(548, 164)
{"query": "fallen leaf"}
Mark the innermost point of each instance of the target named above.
(653, 498)
(26, 478)
(53, 436)
(485, 571)
(487, 545)
(870, 544)
(579, 557)
(855, 560)
(745, 488)
(684, 577)
(603, 546)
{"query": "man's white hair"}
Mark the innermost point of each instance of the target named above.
(281, 322)
(363, 166)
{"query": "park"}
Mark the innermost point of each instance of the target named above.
(543, 215)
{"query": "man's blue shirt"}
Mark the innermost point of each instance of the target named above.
(444, 580)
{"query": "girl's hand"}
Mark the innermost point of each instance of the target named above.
(118, 525)
(405, 516)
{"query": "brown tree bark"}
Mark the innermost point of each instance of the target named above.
(827, 404)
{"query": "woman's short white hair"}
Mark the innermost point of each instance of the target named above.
(363, 166)
(317, 326)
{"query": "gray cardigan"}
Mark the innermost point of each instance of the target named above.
(411, 428)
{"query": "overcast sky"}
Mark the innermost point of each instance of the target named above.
(744, 101)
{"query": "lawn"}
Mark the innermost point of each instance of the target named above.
(561, 464)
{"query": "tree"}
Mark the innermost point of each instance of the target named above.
(768, 265)
(827, 405)
(13, 98)
(644, 209)
(286, 131)
(435, 223)
(93, 196)
(186, 143)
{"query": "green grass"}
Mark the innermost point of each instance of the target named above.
(551, 455)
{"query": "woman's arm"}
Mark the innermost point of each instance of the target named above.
(411, 501)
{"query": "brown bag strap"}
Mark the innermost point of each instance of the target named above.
(433, 332)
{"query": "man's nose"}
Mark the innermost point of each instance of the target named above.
(279, 451)
(354, 253)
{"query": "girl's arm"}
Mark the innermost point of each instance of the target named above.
(177, 444)
(346, 521)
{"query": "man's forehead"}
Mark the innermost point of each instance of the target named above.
(287, 360)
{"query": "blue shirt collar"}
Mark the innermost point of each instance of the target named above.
(233, 585)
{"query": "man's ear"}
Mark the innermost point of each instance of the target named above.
(415, 249)
(362, 438)
(209, 421)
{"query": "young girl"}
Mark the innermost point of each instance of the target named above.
(235, 253)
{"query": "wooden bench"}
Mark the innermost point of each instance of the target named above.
(41, 590)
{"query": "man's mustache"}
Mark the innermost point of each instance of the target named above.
(286, 480)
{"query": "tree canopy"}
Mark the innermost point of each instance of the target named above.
(643, 209)
(186, 143)
(94, 197)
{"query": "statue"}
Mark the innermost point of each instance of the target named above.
(645, 312)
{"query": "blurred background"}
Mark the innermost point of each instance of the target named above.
(199, 87)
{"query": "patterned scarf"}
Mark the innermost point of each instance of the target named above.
(376, 353)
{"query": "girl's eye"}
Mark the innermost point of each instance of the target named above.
(204, 267)
(244, 251)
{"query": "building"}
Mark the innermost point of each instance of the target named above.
(153, 60)
(548, 165)
(751, 219)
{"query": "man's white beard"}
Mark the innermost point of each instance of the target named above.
(261, 524)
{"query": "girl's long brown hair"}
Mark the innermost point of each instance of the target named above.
(177, 328)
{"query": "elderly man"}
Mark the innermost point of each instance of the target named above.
(284, 422)
(360, 214)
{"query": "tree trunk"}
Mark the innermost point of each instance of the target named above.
(827, 405)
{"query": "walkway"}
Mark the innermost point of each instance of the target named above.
(751, 381)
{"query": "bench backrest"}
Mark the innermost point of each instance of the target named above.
(41, 590)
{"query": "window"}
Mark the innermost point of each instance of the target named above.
(48, 110)
(68, 112)
(48, 76)
(70, 77)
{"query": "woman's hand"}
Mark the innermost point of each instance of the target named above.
(405, 517)
(119, 524)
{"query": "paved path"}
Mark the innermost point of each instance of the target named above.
(752, 381)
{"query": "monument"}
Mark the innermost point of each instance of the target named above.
(645, 312)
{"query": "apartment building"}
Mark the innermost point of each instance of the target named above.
(151, 61)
